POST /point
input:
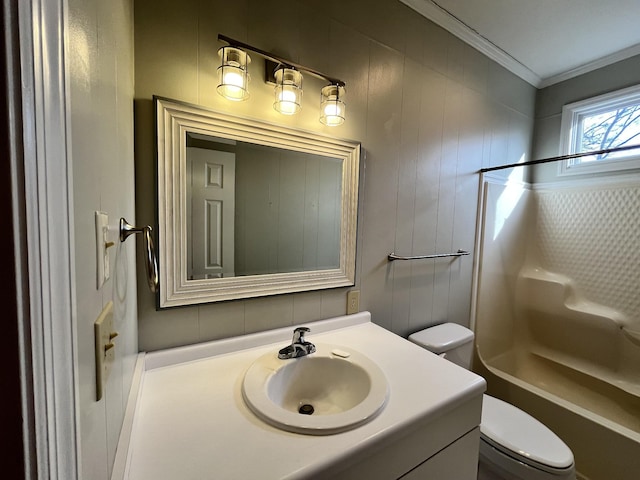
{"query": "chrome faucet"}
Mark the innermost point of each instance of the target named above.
(299, 346)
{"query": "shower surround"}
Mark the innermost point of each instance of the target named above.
(557, 312)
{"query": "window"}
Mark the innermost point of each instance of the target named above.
(600, 123)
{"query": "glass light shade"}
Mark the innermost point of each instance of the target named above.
(233, 75)
(288, 91)
(332, 106)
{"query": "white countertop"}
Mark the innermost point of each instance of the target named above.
(191, 422)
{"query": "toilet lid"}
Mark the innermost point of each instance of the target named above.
(442, 338)
(515, 432)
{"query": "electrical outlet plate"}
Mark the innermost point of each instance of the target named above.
(102, 253)
(353, 302)
(105, 349)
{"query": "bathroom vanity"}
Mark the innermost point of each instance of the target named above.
(187, 418)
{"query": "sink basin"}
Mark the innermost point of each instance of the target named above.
(330, 391)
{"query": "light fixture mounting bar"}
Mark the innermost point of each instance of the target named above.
(274, 58)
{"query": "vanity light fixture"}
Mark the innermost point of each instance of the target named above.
(233, 74)
(288, 91)
(287, 76)
(332, 105)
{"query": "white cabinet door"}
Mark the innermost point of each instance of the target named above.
(459, 461)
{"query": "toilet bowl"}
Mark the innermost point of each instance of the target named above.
(513, 444)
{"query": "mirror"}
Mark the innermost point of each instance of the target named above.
(249, 209)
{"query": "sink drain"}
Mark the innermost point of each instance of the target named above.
(306, 409)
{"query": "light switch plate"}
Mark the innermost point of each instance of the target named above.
(353, 302)
(102, 253)
(105, 348)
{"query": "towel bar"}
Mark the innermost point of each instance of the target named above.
(392, 256)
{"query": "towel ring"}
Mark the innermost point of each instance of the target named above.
(127, 229)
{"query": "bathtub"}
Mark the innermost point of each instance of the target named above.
(542, 343)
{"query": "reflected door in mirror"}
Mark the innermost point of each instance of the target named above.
(210, 222)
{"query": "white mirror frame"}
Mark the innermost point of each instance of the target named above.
(176, 119)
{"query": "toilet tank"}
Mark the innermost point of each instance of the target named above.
(450, 340)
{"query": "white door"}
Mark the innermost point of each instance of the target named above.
(210, 226)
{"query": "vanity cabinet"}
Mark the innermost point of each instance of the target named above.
(446, 448)
(188, 420)
(459, 461)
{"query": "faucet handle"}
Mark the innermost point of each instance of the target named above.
(298, 334)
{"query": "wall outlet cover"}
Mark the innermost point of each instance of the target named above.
(353, 302)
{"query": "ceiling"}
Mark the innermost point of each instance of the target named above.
(542, 41)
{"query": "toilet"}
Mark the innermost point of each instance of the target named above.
(513, 444)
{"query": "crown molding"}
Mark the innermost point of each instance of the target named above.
(451, 23)
(591, 66)
(442, 17)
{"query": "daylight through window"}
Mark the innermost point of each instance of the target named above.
(601, 123)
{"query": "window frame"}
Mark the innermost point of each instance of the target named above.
(572, 114)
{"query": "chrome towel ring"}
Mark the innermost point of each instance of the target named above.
(127, 229)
